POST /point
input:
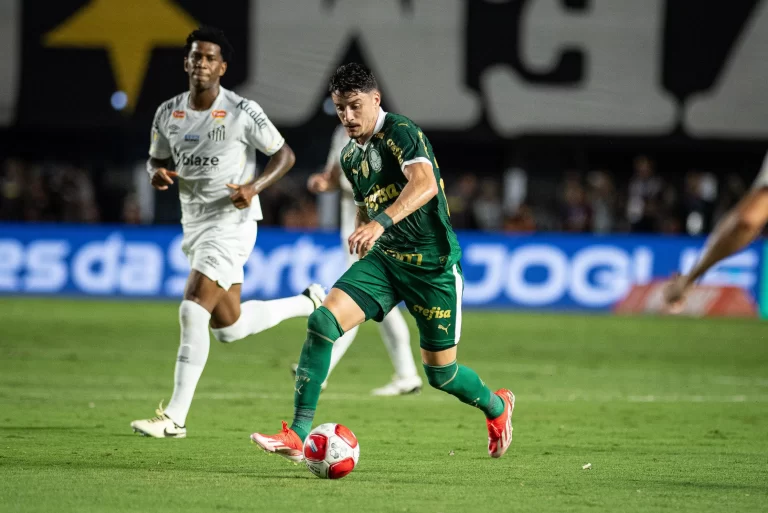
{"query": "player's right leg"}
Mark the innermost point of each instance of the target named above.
(200, 298)
(342, 344)
(216, 256)
(324, 327)
(363, 292)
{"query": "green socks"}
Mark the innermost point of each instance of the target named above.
(322, 331)
(464, 383)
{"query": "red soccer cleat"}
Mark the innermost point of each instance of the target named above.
(286, 443)
(500, 428)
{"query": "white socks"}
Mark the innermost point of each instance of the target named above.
(340, 347)
(193, 353)
(397, 340)
(257, 316)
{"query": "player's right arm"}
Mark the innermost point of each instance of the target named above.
(740, 226)
(160, 154)
(328, 180)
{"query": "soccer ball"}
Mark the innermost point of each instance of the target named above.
(331, 451)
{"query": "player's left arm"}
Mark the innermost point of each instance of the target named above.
(262, 135)
(420, 189)
(739, 227)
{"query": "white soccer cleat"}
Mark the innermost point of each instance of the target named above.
(295, 367)
(399, 386)
(161, 426)
(316, 294)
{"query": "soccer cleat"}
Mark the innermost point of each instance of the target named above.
(161, 426)
(295, 367)
(500, 428)
(316, 294)
(399, 386)
(286, 443)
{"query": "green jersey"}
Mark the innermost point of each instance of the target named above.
(425, 238)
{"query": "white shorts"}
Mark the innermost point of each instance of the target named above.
(220, 251)
(346, 232)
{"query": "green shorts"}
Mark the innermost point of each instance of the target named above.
(378, 283)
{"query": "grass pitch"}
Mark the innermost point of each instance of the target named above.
(672, 414)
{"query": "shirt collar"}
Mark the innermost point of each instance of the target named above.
(376, 129)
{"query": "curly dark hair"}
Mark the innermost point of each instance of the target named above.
(210, 35)
(352, 77)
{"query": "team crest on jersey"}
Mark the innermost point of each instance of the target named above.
(218, 134)
(178, 114)
(375, 159)
(365, 169)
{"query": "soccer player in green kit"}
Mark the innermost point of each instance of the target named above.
(409, 253)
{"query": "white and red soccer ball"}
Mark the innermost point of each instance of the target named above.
(331, 451)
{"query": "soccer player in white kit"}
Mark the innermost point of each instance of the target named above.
(209, 133)
(393, 328)
(741, 225)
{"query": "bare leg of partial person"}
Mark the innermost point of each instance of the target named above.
(232, 320)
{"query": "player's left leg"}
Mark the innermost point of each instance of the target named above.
(434, 299)
(232, 320)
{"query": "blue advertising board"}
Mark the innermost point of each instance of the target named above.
(560, 272)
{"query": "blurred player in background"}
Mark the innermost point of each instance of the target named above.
(208, 133)
(740, 226)
(409, 252)
(393, 328)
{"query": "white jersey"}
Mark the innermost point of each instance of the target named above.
(211, 149)
(348, 207)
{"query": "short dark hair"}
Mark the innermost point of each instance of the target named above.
(352, 77)
(210, 35)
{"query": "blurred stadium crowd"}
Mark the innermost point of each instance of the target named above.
(636, 200)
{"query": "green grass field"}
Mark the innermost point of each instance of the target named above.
(671, 413)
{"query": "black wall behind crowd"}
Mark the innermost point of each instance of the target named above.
(564, 83)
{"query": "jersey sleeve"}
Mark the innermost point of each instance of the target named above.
(260, 133)
(409, 145)
(159, 147)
